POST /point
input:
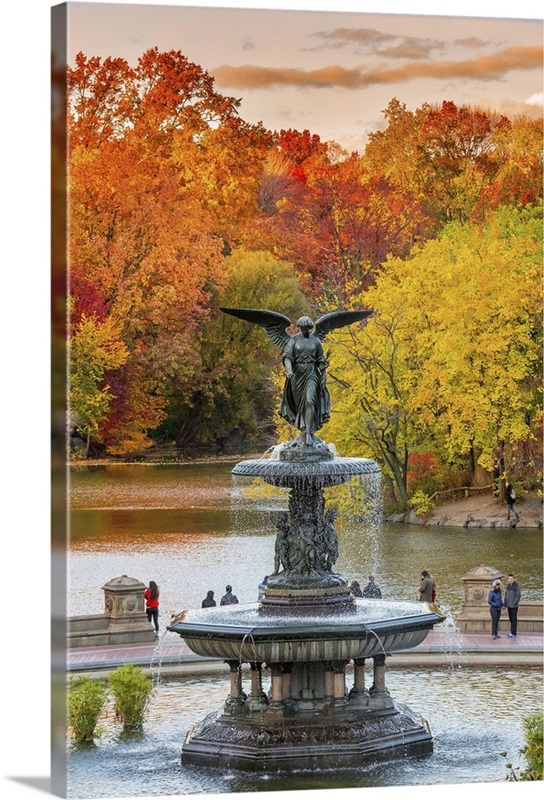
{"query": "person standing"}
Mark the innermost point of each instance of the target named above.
(151, 597)
(372, 589)
(229, 598)
(209, 601)
(426, 587)
(494, 600)
(510, 497)
(512, 596)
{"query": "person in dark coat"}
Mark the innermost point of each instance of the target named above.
(510, 497)
(372, 589)
(229, 598)
(355, 589)
(208, 601)
(512, 596)
(426, 587)
(494, 600)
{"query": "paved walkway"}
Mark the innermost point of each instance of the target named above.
(442, 646)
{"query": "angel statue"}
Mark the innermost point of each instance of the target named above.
(306, 402)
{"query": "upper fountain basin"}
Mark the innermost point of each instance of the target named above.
(291, 473)
(239, 633)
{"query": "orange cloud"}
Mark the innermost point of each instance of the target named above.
(334, 76)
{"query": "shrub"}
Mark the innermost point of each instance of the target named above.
(533, 728)
(87, 698)
(421, 503)
(421, 474)
(132, 691)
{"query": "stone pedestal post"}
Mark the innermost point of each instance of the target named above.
(124, 609)
(358, 695)
(379, 697)
(474, 616)
(329, 682)
(236, 699)
(339, 684)
(286, 683)
(257, 700)
(276, 705)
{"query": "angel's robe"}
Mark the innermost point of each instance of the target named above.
(306, 402)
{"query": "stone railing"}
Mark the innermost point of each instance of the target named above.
(124, 620)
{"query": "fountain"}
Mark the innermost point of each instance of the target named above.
(307, 628)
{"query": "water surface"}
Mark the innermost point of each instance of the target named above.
(190, 529)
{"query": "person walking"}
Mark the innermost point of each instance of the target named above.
(512, 596)
(494, 600)
(510, 497)
(208, 601)
(426, 587)
(372, 589)
(229, 598)
(151, 597)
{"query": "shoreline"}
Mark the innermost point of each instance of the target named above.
(481, 510)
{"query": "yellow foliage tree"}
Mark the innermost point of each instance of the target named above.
(451, 357)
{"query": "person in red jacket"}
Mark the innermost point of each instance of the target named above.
(151, 596)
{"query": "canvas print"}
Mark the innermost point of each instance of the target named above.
(297, 337)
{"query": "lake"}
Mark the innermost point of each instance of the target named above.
(190, 528)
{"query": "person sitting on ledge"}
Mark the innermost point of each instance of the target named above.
(208, 601)
(372, 589)
(355, 589)
(228, 599)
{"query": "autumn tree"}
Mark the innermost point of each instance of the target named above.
(451, 360)
(447, 155)
(479, 384)
(156, 188)
(337, 223)
(236, 391)
(95, 347)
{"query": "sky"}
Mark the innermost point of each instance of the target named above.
(330, 72)
(24, 142)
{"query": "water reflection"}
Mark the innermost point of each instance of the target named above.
(184, 527)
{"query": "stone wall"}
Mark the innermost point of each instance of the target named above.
(124, 620)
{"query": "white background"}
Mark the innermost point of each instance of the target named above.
(25, 420)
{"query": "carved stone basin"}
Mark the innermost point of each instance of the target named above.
(376, 626)
(323, 473)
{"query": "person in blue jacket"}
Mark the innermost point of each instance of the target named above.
(494, 600)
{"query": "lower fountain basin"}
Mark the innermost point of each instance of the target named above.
(240, 633)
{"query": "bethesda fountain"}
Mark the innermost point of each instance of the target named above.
(307, 629)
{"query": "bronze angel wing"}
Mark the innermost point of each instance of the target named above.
(273, 323)
(337, 319)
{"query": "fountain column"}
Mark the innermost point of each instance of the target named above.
(236, 699)
(257, 699)
(339, 677)
(286, 682)
(379, 696)
(276, 706)
(358, 695)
